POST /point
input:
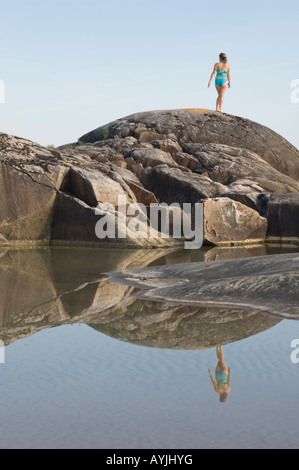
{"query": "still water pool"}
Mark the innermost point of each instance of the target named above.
(89, 366)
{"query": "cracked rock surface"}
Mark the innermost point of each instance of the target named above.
(245, 174)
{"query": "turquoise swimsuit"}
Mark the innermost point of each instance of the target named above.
(221, 377)
(221, 77)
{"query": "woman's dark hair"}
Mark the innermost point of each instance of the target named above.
(223, 57)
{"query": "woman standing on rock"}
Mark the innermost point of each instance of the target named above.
(222, 82)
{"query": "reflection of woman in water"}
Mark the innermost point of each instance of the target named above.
(222, 374)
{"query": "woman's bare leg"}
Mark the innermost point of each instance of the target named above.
(221, 362)
(221, 92)
(218, 88)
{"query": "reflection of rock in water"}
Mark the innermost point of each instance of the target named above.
(47, 287)
(267, 284)
(181, 327)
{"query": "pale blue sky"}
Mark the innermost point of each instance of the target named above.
(70, 66)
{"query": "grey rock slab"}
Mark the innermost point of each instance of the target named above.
(266, 284)
(205, 127)
(172, 185)
(229, 221)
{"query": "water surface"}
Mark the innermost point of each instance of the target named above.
(87, 365)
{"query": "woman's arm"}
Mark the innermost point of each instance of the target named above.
(213, 73)
(213, 380)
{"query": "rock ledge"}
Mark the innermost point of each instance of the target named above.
(245, 175)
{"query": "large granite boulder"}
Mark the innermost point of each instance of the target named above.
(241, 169)
(189, 155)
(50, 196)
(30, 177)
(174, 156)
(228, 221)
(201, 126)
(172, 185)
